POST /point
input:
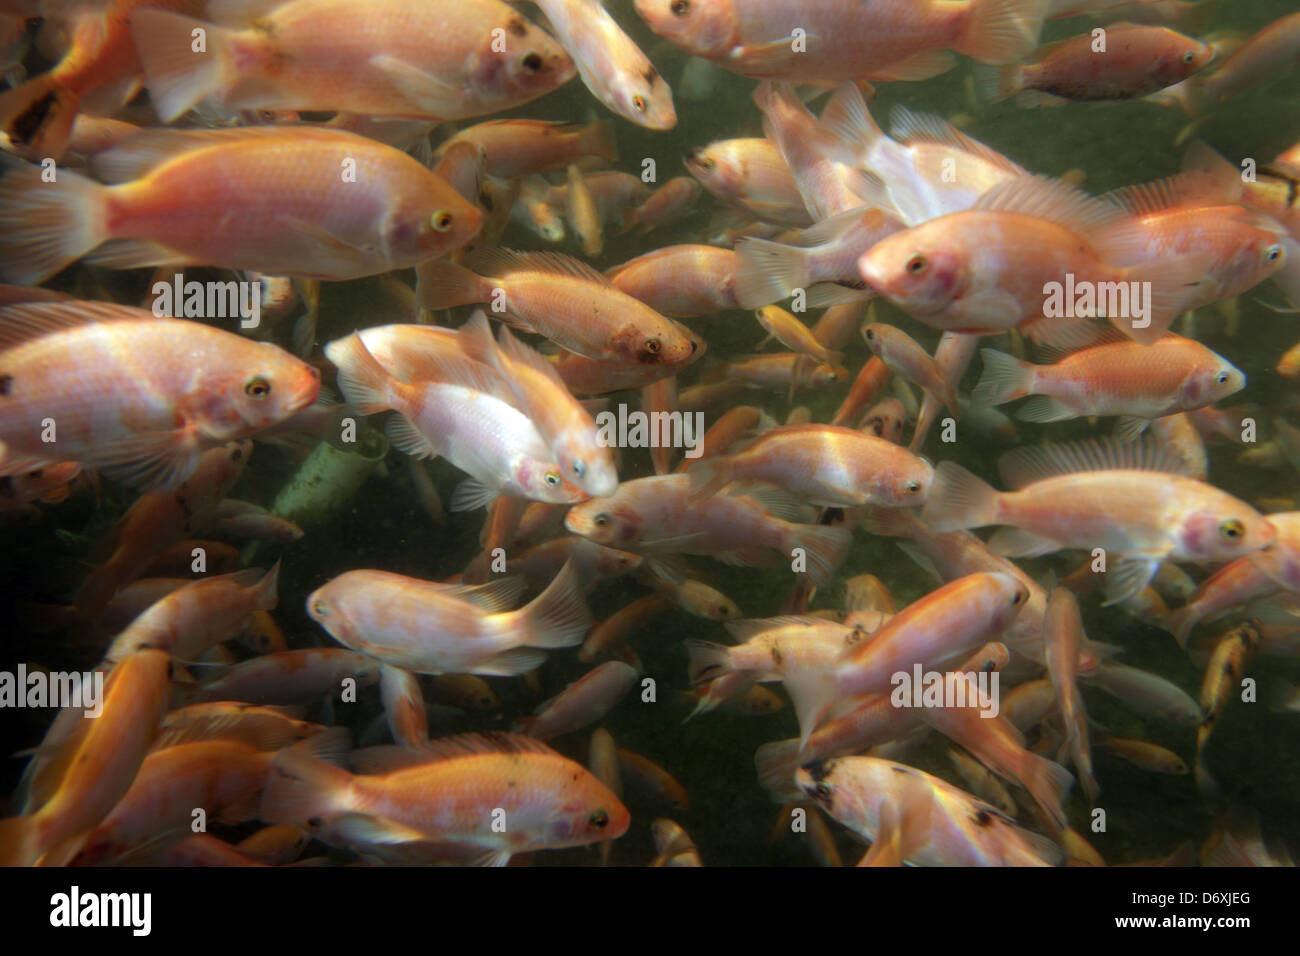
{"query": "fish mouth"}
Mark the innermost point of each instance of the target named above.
(307, 392)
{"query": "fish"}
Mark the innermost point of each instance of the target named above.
(960, 830)
(892, 40)
(658, 516)
(514, 148)
(448, 798)
(563, 299)
(160, 185)
(1128, 499)
(611, 65)
(1139, 383)
(431, 628)
(71, 373)
(401, 58)
(1117, 62)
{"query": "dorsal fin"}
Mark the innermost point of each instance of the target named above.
(25, 321)
(1024, 466)
(499, 263)
(1051, 199)
(908, 128)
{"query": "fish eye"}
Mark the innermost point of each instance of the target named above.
(869, 335)
(1018, 597)
(1222, 378)
(257, 388)
(913, 486)
(1273, 252)
(822, 791)
(1232, 529)
(916, 265)
(599, 819)
(442, 220)
(680, 8)
(1189, 56)
(600, 520)
(579, 468)
(639, 103)
(531, 62)
(552, 478)
(652, 346)
(319, 608)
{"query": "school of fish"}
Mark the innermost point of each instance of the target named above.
(278, 279)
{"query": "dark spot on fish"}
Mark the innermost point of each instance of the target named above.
(315, 822)
(7, 486)
(6, 384)
(29, 122)
(237, 454)
(485, 200)
(651, 75)
(517, 26)
(819, 770)
(983, 818)
(831, 516)
(777, 656)
(511, 784)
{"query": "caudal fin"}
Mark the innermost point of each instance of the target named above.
(177, 75)
(37, 116)
(768, 272)
(45, 226)
(824, 547)
(1048, 783)
(776, 763)
(557, 617)
(1001, 31)
(444, 285)
(1005, 379)
(707, 660)
(1182, 622)
(958, 500)
(300, 786)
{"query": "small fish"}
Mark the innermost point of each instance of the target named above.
(522, 147)
(586, 701)
(446, 792)
(431, 628)
(960, 830)
(78, 364)
(278, 188)
(611, 64)
(1124, 61)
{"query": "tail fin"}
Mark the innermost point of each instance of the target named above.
(178, 77)
(598, 140)
(1001, 31)
(362, 380)
(708, 660)
(708, 477)
(998, 83)
(266, 589)
(1182, 622)
(776, 763)
(825, 548)
(958, 500)
(38, 116)
(1049, 783)
(1005, 379)
(813, 692)
(443, 285)
(300, 786)
(558, 616)
(768, 272)
(45, 226)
